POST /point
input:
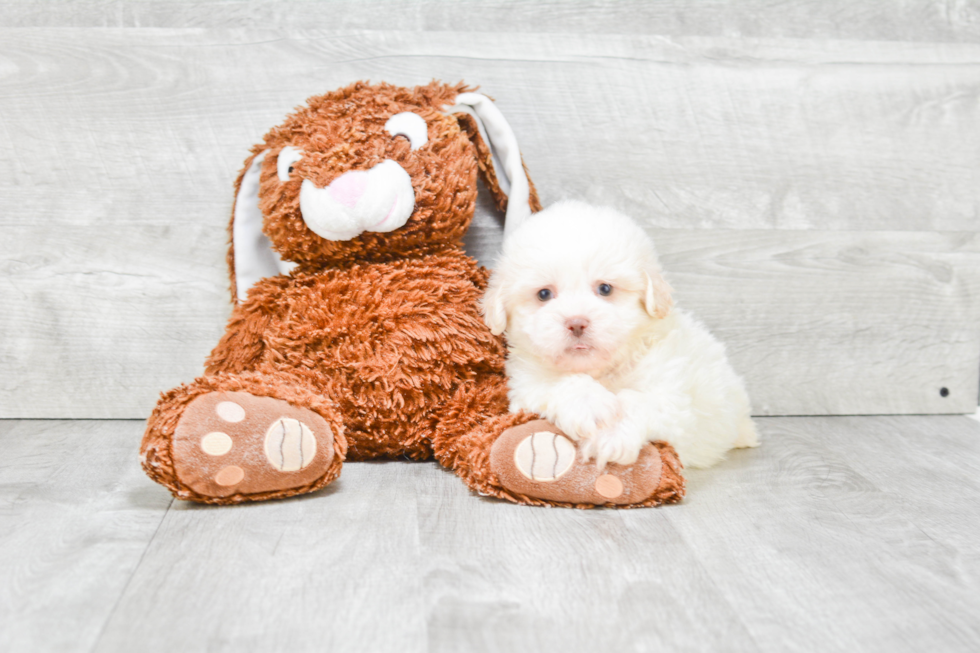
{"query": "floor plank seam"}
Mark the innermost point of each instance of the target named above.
(707, 574)
(425, 616)
(122, 592)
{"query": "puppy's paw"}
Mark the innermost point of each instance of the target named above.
(619, 444)
(584, 408)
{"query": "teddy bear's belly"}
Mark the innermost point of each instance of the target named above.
(390, 343)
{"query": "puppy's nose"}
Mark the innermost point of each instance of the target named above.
(576, 325)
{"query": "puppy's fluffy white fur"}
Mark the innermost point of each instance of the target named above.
(597, 347)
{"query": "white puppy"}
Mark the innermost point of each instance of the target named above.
(596, 347)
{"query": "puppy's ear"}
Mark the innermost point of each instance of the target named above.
(492, 305)
(658, 299)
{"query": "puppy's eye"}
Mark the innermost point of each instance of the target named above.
(410, 125)
(287, 157)
(604, 289)
(545, 294)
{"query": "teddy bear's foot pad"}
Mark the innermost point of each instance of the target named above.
(535, 459)
(236, 443)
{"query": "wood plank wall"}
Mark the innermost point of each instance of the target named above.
(810, 171)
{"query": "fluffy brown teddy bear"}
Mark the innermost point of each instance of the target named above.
(356, 332)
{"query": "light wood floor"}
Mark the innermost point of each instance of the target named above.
(839, 533)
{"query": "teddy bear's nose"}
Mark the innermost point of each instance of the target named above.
(349, 187)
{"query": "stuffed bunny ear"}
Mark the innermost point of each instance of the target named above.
(251, 256)
(500, 157)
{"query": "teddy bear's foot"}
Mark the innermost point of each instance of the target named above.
(231, 446)
(536, 460)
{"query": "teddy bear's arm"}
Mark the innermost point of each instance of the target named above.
(244, 342)
(480, 278)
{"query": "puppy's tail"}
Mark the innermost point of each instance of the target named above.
(747, 435)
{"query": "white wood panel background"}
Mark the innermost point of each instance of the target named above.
(812, 177)
(870, 20)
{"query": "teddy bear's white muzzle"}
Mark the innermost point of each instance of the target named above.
(380, 199)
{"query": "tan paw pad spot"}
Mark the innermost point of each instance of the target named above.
(609, 486)
(228, 476)
(216, 443)
(289, 445)
(544, 456)
(230, 411)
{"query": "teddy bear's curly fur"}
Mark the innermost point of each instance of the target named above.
(372, 347)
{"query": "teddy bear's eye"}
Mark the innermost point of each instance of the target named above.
(287, 157)
(410, 125)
